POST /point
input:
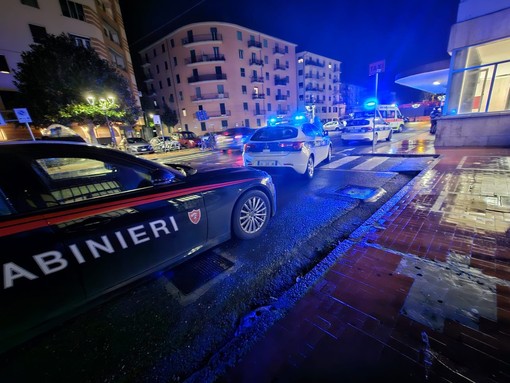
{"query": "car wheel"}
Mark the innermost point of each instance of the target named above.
(400, 128)
(328, 158)
(390, 136)
(310, 168)
(251, 215)
(337, 129)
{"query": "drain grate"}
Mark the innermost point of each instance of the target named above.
(361, 192)
(199, 270)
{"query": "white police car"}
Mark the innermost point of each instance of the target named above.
(300, 146)
(361, 128)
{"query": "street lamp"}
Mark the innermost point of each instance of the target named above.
(105, 104)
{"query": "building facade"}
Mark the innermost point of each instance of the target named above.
(477, 106)
(318, 81)
(218, 75)
(96, 24)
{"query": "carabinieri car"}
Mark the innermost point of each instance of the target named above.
(78, 221)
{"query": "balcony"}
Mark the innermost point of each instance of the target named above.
(281, 81)
(219, 113)
(315, 63)
(314, 76)
(280, 67)
(310, 88)
(207, 77)
(254, 44)
(281, 97)
(209, 96)
(278, 50)
(257, 79)
(216, 38)
(258, 96)
(148, 78)
(204, 59)
(259, 112)
(256, 62)
(336, 80)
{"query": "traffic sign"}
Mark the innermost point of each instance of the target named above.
(22, 115)
(156, 119)
(376, 67)
(2, 121)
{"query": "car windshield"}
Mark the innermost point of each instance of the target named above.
(136, 140)
(273, 133)
(188, 135)
(236, 131)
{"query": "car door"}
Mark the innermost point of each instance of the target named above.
(115, 223)
(38, 281)
(321, 143)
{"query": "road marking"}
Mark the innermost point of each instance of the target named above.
(371, 163)
(342, 161)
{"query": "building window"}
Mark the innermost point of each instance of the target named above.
(175, 61)
(243, 73)
(245, 106)
(160, 85)
(241, 54)
(268, 91)
(117, 59)
(181, 97)
(163, 48)
(243, 89)
(168, 82)
(146, 57)
(81, 41)
(166, 65)
(32, 3)
(267, 76)
(264, 42)
(239, 35)
(72, 9)
(177, 79)
(4, 68)
(111, 33)
(163, 100)
(171, 98)
(266, 60)
(480, 79)
(154, 53)
(246, 122)
(172, 43)
(38, 33)
(258, 122)
(268, 107)
(224, 124)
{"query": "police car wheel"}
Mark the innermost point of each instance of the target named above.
(310, 168)
(251, 215)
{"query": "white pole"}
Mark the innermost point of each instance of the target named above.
(375, 111)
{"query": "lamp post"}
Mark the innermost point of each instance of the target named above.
(105, 104)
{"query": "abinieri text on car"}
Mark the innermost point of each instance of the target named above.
(77, 221)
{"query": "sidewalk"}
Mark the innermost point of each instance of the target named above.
(420, 294)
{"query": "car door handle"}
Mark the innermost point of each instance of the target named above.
(88, 224)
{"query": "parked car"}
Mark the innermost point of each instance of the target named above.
(362, 129)
(234, 138)
(164, 144)
(300, 147)
(334, 125)
(137, 145)
(186, 139)
(85, 220)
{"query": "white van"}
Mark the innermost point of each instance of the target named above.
(391, 114)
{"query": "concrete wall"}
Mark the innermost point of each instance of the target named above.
(477, 129)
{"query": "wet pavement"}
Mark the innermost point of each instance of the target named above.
(419, 293)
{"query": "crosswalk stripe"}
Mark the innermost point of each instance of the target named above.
(371, 163)
(342, 161)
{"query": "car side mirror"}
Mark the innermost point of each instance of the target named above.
(161, 177)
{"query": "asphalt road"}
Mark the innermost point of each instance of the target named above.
(167, 326)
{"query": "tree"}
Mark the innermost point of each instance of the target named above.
(55, 77)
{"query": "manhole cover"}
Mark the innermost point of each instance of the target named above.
(199, 270)
(362, 192)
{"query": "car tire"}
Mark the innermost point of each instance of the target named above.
(390, 136)
(310, 168)
(251, 215)
(400, 128)
(337, 129)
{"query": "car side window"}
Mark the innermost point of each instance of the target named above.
(74, 179)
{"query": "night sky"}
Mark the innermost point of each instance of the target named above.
(405, 33)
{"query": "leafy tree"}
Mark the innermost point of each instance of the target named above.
(169, 116)
(55, 77)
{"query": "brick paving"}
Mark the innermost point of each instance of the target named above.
(423, 296)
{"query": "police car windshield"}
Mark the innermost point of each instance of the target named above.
(274, 133)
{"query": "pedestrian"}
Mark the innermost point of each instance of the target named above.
(123, 143)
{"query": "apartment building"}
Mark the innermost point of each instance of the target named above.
(218, 75)
(93, 23)
(318, 79)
